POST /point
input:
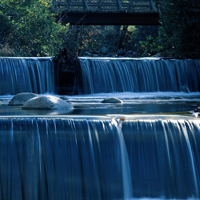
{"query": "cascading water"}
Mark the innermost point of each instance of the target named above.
(60, 159)
(103, 75)
(26, 75)
(84, 158)
(164, 157)
(107, 157)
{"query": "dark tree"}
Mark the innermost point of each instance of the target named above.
(181, 23)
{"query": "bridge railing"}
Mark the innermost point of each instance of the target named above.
(130, 6)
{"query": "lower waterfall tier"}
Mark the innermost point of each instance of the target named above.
(51, 158)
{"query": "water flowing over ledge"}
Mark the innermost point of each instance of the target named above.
(110, 153)
(103, 75)
(26, 75)
(64, 158)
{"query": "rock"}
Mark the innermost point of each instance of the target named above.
(95, 52)
(20, 98)
(157, 55)
(47, 103)
(112, 100)
(121, 52)
(95, 55)
(64, 98)
(104, 50)
(129, 53)
(109, 55)
(88, 53)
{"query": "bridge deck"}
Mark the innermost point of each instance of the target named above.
(107, 12)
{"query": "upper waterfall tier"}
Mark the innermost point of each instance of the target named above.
(103, 75)
(26, 75)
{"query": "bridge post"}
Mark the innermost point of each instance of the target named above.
(153, 7)
(85, 5)
(119, 5)
(131, 8)
(68, 4)
(100, 4)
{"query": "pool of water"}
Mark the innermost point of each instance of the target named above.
(133, 104)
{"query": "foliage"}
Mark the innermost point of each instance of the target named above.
(143, 40)
(150, 46)
(154, 44)
(83, 40)
(108, 40)
(77, 39)
(181, 23)
(179, 34)
(30, 27)
(5, 28)
(5, 50)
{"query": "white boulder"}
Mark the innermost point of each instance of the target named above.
(20, 98)
(47, 103)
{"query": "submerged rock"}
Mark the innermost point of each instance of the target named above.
(112, 100)
(20, 98)
(47, 103)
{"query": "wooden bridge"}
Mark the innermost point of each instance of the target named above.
(107, 12)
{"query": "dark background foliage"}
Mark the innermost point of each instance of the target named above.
(28, 28)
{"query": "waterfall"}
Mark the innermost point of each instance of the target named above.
(63, 158)
(164, 157)
(50, 159)
(103, 75)
(26, 75)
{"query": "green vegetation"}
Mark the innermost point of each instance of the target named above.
(29, 28)
(181, 24)
(178, 36)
